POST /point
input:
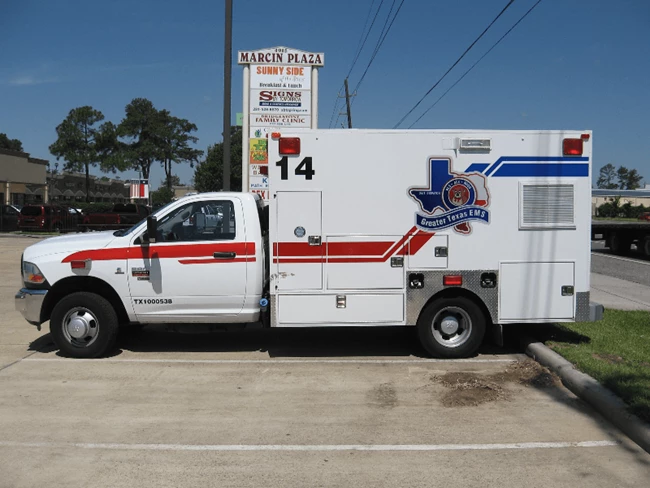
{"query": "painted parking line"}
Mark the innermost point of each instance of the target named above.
(311, 448)
(273, 361)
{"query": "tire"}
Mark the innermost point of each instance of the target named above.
(94, 331)
(461, 312)
(619, 244)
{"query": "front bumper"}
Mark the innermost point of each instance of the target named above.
(29, 304)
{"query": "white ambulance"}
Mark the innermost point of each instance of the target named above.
(454, 232)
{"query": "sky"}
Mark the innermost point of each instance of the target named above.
(571, 64)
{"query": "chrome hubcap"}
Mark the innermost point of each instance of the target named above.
(451, 327)
(80, 327)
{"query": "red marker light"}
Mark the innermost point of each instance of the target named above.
(79, 264)
(572, 147)
(584, 137)
(275, 135)
(264, 170)
(289, 145)
(452, 280)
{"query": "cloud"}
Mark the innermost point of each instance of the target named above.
(28, 80)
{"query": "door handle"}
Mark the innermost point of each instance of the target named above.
(224, 255)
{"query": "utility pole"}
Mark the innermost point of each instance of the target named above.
(227, 67)
(347, 103)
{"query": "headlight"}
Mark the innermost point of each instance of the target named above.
(31, 274)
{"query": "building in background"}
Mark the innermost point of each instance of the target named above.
(182, 190)
(23, 179)
(637, 197)
(68, 188)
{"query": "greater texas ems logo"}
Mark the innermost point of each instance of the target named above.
(451, 200)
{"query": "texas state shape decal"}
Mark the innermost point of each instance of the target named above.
(451, 200)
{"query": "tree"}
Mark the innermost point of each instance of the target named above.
(10, 144)
(162, 195)
(81, 141)
(175, 179)
(607, 177)
(632, 180)
(175, 138)
(141, 129)
(209, 173)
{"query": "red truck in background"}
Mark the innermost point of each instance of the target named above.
(122, 215)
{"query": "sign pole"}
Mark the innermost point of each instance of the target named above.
(227, 79)
(245, 141)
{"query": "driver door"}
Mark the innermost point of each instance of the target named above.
(196, 269)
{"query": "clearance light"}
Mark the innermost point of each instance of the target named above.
(572, 147)
(275, 135)
(289, 145)
(264, 170)
(452, 280)
(584, 137)
(80, 264)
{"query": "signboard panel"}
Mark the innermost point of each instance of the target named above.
(258, 151)
(281, 101)
(280, 77)
(259, 182)
(279, 120)
(281, 55)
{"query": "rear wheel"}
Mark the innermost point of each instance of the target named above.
(644, 245)
(84, 325)
(451, 327)
(619, 243)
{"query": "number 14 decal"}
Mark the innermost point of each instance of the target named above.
(303, 169)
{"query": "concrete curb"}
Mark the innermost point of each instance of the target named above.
(589, 390)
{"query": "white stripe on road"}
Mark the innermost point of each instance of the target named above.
(635, 261)
(274, 361)
(325, 447)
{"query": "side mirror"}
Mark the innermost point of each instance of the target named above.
(152, 228)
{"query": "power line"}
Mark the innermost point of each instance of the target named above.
(359, 49)
(510, 2)
(379, 44)
(356, 57)
(477, 62)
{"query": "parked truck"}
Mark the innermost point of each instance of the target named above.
(452, 232)
(619, 236)
(121, 216)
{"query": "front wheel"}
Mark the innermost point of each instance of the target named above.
(451, 327)
(84, 325)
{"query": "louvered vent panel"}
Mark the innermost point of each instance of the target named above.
(547, 206)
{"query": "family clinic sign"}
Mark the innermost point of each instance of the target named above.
(280, 91)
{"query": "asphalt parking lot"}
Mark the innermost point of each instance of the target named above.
(282, 408)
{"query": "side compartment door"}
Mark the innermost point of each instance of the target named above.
(196, 269)
(298, 250)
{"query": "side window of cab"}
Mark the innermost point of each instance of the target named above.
(212, 220)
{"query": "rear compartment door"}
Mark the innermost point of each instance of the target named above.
(536, 291)
(298, 252)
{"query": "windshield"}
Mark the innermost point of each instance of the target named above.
(126, 232)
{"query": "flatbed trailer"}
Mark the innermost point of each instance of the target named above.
(619, 236)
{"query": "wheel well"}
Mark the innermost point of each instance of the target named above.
(90, 284)
(461, 292)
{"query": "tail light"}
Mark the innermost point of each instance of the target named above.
(572, 147)
(289, 145)
(452, 280)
